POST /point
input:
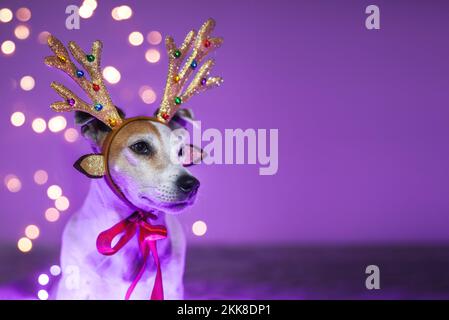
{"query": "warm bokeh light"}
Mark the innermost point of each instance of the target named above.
(124, 12)
(71, 135)
(24, 244)
(114, 14)
(121, 13)
(39, 125)
(27, 83)
(40, 177)
(23, 14)
(135, 38)
(5, 15)
(152, 55)
(57, 124)
(13, 183)
(85, 11)
(55, 270)
(17, 119)
(32, 231)
(52, 215)
(21, 32)
(199, 228)
(43, 279)
(42, 37)
(92, 4)
(62, 203)
(54, 192)
(147, 95)
(154, 37)
(111, 74)
(8, 47)
(42, 294)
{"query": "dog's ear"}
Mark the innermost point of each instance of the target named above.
(93, 129)
(180, 119)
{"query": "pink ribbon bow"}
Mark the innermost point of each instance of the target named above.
(147, 237)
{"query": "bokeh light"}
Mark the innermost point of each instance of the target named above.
(27, 83)
(55, 270)
(147, 94)
(154, 37)
(62, 203)
(42, 37)
(17, 119)
(54, 192)
(57, 124)
(85, 11)
(21, 32)
(5, 15)
(42, 294)
(24, 244)
(39, 125)
(121, 13)
(92, 4)
(52, 215)
(32, 231)
(43, 279)
(152, 55)
(8, 47)
(199, 228)
(13, 183)
(135, 38)
(23, 14)
(111, 74)
(71, 135)
(40, 177)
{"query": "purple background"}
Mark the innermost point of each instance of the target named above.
(362, 117)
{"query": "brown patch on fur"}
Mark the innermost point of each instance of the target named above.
(138, 127)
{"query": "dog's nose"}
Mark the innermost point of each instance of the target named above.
(187, 183)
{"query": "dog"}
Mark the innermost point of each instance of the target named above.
(140, 164)
(143, 162)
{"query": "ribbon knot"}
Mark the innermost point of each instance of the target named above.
(148, 234)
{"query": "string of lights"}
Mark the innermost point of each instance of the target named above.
(60, 202)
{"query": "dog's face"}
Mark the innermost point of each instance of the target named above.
(145, 162)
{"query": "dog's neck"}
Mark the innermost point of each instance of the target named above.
(103, 204)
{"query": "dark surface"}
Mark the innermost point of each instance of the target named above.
(415, 272)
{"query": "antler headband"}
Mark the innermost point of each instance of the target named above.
(177, 76)
(101, 106)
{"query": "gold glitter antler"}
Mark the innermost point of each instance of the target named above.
(201, 45)
(102, 107)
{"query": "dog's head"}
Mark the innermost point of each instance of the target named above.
(147, 160)
(138, 156)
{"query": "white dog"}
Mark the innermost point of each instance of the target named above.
(140, 163)
(142, 160)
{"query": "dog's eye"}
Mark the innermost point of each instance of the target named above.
(181, 152)
(142, 148)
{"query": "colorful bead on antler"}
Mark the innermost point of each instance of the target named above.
(101, 106)
(200, 45)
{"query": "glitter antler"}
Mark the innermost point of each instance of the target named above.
(102, 107)
(201, 45)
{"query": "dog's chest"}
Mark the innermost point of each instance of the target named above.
(125, 264)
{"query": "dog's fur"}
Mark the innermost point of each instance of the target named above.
(148, 182)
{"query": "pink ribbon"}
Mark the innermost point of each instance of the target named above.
(147, 237)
